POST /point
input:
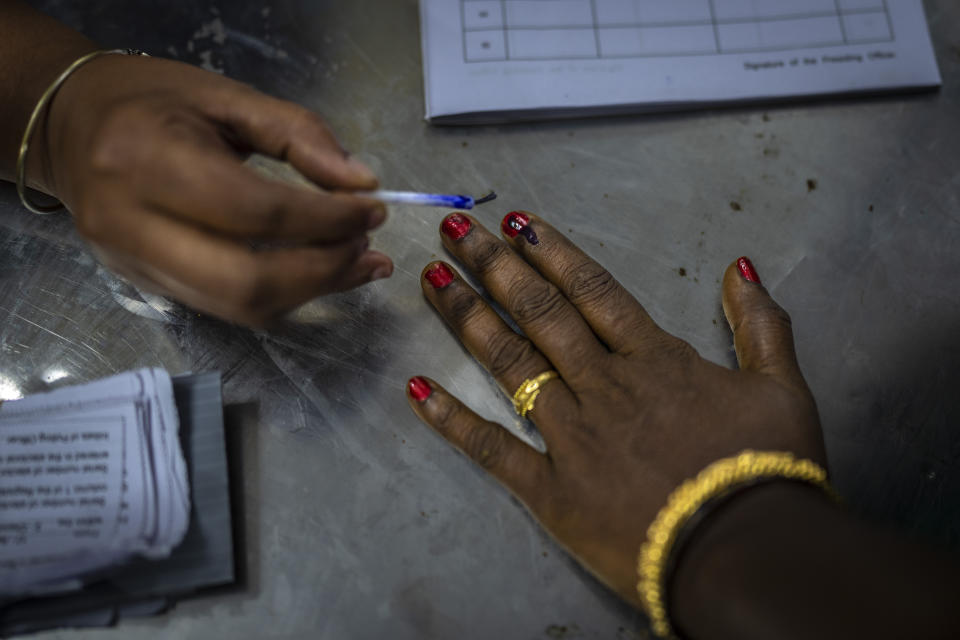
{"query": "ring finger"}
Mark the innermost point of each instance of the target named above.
(508, 356)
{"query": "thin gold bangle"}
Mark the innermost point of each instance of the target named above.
(718, 478)
(42, 103)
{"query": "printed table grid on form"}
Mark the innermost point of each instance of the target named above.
(518, 30)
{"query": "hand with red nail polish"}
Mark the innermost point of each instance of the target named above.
(632, 413)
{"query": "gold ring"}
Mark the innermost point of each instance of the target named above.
(526, 394)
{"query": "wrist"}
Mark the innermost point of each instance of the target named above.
(50, 142)
(25, 94)
(736, 575)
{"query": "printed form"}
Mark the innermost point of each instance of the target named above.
(496, 60)
(90, 476)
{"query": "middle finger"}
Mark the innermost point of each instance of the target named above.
(538, 307)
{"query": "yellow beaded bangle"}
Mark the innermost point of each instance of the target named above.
(38, 110)
(718, 478)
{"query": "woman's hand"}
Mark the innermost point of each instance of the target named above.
(635, 412)
(147, 154)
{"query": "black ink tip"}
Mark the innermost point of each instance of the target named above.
(487, 198)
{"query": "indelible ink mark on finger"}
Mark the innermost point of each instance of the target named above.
(516, 223)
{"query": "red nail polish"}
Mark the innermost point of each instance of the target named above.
(516, 223)
(439, 275)
(513, 223)
(456, 226)
(747, 271)
(419, 389)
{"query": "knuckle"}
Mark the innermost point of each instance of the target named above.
(129, 132)
(302, 123)
(638, 331)
(177, 124)
(766, 315)
(304, 119)
(271, 214)
(778, 315)
(588, 284)
(446, 414)
(765, 361)
(672, 349)
(464, 307)
(106, 154)
(680, 350)
(506, 351)
(488, 257)
(486, 444)
(529, 302)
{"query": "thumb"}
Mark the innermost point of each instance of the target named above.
(762, 331)
(292, 133)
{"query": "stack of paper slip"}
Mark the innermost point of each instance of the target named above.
(90, 476)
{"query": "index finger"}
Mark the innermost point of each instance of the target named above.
(614, 315)
(290, 132)
(209, 187)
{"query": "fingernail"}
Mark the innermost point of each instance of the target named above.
(456, 226)
(361, 170)
(419, 389)
(439, 275)
(516, 223)
(747, 271)
(513, 223)
(376, 217)
(381, 272)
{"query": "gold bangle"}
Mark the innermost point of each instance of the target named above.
(42, 103)
(718, 478)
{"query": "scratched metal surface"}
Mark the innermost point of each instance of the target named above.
(358, 521)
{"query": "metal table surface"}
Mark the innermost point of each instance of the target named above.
(357, 521)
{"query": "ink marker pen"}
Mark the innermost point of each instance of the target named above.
(427, 199)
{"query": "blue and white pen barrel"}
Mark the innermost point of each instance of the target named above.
(422, 199)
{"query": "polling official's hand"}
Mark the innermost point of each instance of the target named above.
(635, 411)
(147, 153)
